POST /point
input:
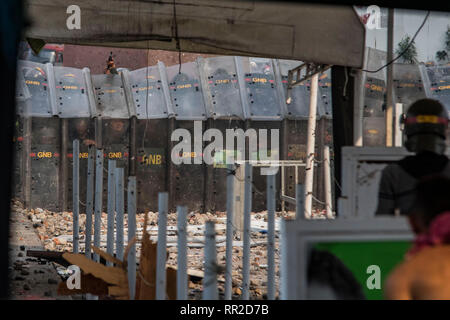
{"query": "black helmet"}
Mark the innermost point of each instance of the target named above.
(425, 126)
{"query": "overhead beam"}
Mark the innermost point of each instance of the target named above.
(269, 29)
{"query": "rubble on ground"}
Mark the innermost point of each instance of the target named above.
(55, 230)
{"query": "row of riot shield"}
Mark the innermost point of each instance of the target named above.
(132, 116)
(374, 98)
(411, 83)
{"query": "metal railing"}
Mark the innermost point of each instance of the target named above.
(115, 217)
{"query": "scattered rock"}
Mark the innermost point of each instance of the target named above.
(55, 230)
(26, 287)
(24, 272)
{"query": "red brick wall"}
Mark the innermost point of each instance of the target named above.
(95, 57)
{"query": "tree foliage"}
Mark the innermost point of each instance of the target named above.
(407, 51)
(442, 55)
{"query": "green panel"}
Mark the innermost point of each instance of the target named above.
(357, 256)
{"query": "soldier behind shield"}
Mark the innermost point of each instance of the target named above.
(82, 132)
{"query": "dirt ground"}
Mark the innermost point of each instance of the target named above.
(53, 231)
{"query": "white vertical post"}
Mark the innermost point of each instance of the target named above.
(327, 177)
(311, 140)
(161, 251)
(76, 193)
(98, 200)
(246, 240)
(89, 201)
(111, 210)
(229, 233)
(358, 108)
(89, 207)
(131, 209)
(210, 278)
(398, 131)
(271, 289)
(182, 280)
(119, 212)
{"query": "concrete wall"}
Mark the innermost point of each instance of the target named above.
(95, 57)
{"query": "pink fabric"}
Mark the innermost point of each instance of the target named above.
(438, 233)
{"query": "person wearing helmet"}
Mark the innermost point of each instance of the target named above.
(425, 126)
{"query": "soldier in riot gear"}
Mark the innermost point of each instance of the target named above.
(81, 132)
(425, 126)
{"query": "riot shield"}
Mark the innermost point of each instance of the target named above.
(373, 116)
(259, 191)
(374, 97)
(438, 84)
(216, 174)
(374, 133)
(152, 146)
(223, 101)
(260, 88)
(298, 104)
(221, 88)
(110, 96)
(186, 92)
(36, 79)
(150, 98)
(295, 141)
(188, 180)
(71, 93)
(45, 161)
(325, 95)
(17, 180)
(83, 130)
(114, 113)
(23, 105)
(73, 107)
(23, 96)
(408, 85)
(148, 93)
(115, 141)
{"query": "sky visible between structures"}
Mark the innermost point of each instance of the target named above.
(406, 22)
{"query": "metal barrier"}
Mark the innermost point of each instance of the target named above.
(115, 217)
(119, 113)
